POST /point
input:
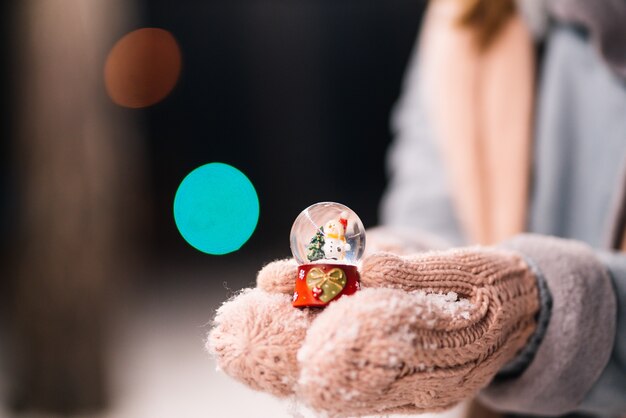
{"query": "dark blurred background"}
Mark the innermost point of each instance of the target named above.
(272, 88)
(278, 89)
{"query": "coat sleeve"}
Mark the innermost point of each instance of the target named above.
(608, 394)
(576, 361)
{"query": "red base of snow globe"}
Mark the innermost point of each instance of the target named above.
(319, 284)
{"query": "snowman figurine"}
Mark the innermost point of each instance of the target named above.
(328, 263)
(335, 245)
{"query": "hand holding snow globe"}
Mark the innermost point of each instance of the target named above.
(327, 240)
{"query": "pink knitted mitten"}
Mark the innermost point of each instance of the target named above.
(426, 332)
(257, 334)
(430, 331)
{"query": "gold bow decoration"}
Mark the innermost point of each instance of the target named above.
(326, 286)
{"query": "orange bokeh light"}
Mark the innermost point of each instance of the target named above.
(142, 67)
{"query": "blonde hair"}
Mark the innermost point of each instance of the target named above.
(485, 18)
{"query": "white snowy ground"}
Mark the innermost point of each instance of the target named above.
(160, 368)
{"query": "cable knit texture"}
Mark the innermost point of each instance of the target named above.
(392, 350)
(426, 332)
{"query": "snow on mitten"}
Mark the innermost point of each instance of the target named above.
(427, 332)
(256, 334)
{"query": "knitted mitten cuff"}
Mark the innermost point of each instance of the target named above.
(578, 339)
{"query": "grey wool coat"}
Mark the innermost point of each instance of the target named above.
(576, 361)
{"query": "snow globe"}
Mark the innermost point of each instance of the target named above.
(327, 240)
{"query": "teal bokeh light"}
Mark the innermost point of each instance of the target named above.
(216, 208)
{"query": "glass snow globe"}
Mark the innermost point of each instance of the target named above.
(328, 240)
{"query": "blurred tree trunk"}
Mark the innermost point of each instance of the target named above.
(68, 186)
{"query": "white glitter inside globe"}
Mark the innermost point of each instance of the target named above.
(327, 232)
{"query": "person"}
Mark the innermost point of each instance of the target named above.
(536, 176)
